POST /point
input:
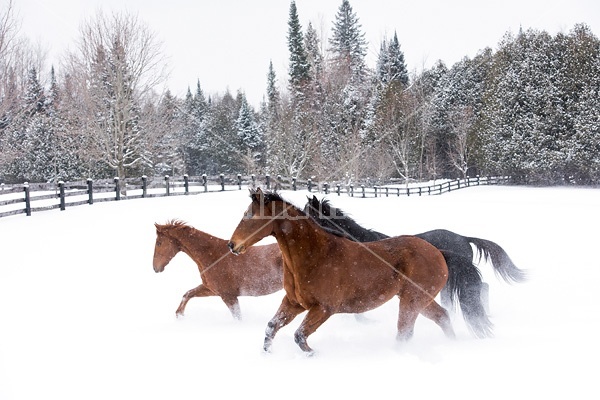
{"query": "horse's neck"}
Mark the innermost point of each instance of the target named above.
(200, 245)
(288, 231)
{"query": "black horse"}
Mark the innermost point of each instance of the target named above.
(336, 221)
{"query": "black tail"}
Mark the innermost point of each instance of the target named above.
(503, 265)
(464, 282)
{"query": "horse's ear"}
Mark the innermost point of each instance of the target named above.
(158, 227)
(257, 195)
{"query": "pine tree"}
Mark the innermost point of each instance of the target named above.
(314, 56)
(194, 118)
(299, 68)
(348, 44)
(250, 137)
(397, 71)
(273, 95)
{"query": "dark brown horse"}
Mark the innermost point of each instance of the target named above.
(259, 272)
(326, 274)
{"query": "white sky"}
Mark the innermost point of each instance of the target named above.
(227, 44)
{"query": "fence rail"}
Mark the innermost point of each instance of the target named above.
(28, 198)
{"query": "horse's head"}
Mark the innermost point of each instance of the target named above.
(258, 220)
(165, 247)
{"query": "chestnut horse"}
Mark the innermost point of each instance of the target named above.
(326, 274)
(259, 272)
(333, 218)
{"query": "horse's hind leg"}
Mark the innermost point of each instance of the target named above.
(440, 316)
(200, 291)
(407, 317)
(285, 314)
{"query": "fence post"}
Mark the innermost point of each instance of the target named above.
(278, 184)
(294, 184)
(268, 181)
(144, 185)
(222, 178)
(375, 188)
(117, 188)
(387, 192)
(239, 176)
(90, 191)
(167, 185)
(326, 187)
(398, 192)
(186, 183)
(204, 182)
(253, 180)
(309, 184)
(351, 190)
(337, 189)
(363, 190)
(61, 194)
(27, 199)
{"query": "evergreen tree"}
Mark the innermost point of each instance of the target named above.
(397, 71)
(348, 43)
(314, 55)
(299, 136)
(33, 138)
(299, 68)
(221, 136)
(194, 131)
(169, 157)
(271, 117)
(250, 137)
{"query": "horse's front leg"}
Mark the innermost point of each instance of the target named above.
(200, 291)
(233, 304)
(315, 317)
(287, 311)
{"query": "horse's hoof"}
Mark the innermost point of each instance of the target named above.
(309, 353)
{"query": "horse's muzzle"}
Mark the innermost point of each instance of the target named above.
(236, 250)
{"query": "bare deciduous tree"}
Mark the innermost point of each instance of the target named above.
(117, 65)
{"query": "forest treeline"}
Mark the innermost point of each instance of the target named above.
(529, 109)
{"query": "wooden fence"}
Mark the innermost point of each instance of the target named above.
(28, 198)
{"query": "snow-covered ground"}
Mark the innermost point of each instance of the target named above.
(84, 316)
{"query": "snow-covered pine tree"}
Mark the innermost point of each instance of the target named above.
(346, 99)
(299, 68)
(250, 137)
(348, 44)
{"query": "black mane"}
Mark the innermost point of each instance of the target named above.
(266, 196)
(334, 220)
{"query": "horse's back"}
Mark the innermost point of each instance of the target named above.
(447, 240)
(415, 258)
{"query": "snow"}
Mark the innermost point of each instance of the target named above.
(84, 316)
